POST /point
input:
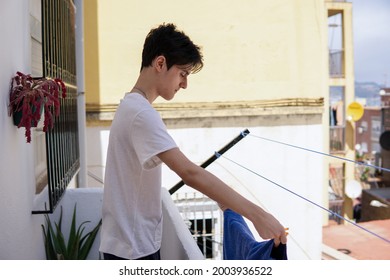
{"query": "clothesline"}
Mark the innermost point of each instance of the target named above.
(218, 155)
(323, 154)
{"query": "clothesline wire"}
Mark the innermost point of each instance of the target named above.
(321, 153)
(302, 197)
(291, 236)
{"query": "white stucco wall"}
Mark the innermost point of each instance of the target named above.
(20, 235)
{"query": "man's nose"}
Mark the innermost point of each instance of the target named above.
(183, 83)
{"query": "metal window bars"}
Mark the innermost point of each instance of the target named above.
(59, 61)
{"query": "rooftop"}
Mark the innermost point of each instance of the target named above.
(357, 243)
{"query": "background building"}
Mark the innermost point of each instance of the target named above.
(341, 94)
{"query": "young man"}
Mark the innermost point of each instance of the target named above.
(139, 143)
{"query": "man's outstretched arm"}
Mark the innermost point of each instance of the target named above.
(200, 179)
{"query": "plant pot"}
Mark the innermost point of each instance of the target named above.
(17, 117)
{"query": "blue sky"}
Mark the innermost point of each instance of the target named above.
(371, 27)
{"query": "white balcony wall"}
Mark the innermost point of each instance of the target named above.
(177, 242)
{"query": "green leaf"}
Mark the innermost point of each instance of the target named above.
(60, 243)
(78, 245)
(89, 240)
(49, 249)
(73, 238)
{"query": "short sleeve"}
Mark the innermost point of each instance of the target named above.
(150, 138)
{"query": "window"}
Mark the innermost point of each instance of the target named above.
(204, 220)
(335, 43)
(61, 144)
(202, 231)
(336, 193)
(337, 119)
(38, 140)
(376, 130)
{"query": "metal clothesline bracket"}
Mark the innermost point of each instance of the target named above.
(214, 157)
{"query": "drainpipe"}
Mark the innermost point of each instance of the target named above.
(82, 178)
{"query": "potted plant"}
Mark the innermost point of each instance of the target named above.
(30, 96)
(78, 245)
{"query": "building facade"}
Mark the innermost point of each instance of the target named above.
(341, 94)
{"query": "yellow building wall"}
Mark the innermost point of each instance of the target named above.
(253, 50)
(91, 53)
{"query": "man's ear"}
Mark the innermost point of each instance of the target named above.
(159, 62)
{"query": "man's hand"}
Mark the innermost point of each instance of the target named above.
(269, 228)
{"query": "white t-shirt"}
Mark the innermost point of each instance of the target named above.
(132, 214)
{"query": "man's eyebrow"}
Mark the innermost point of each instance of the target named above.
(186, 70)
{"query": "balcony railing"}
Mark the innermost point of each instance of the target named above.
(204, 220)
(337, 138)
(336, 68)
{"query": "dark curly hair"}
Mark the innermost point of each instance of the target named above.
(174, 45)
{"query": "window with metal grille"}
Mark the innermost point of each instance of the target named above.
(38, 135)
(385, 119)
(204, 220)
(336, 119)
(59, 60)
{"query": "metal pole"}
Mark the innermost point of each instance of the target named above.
(214, 157)
(82, 179)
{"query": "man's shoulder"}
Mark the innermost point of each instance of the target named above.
(134, 103)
